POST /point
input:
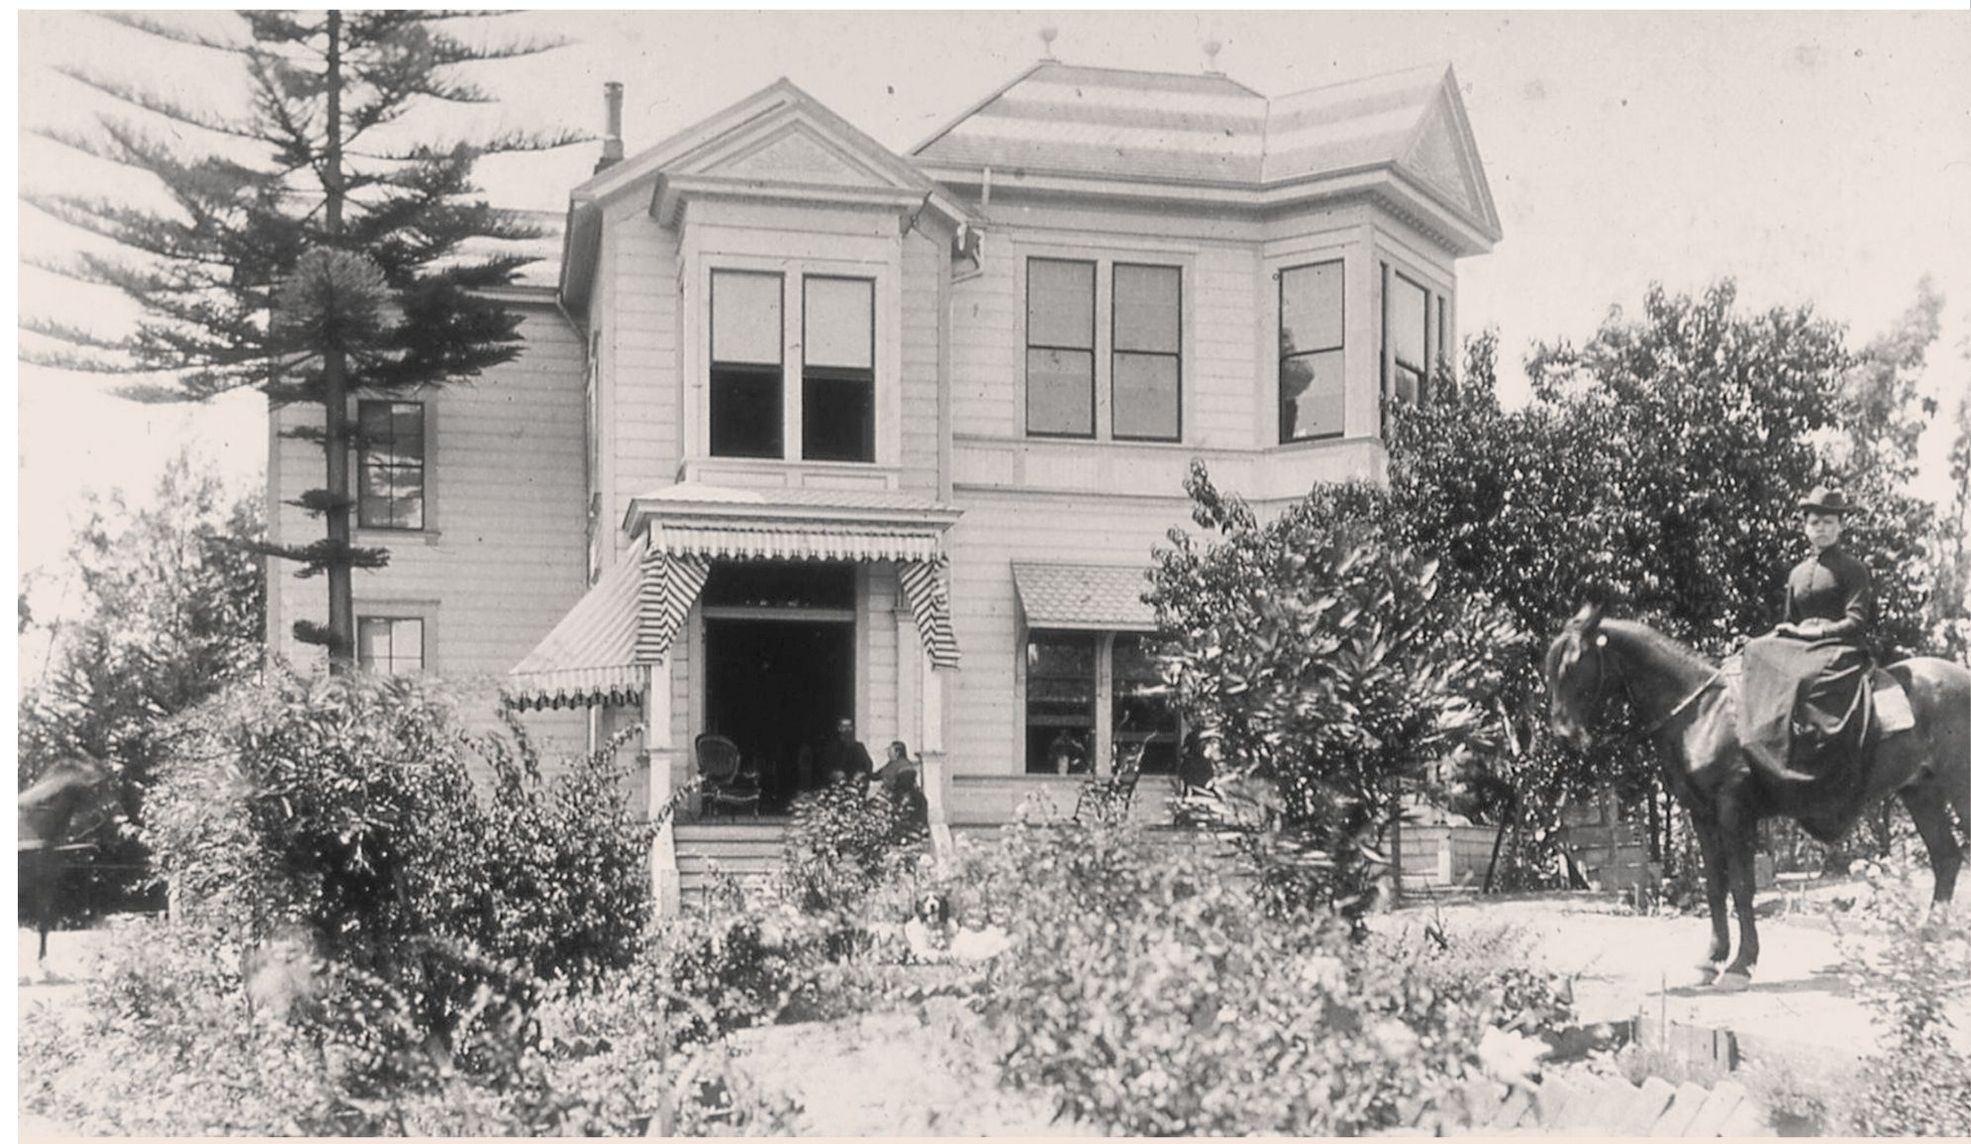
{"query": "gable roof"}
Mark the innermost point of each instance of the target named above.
(778, 142)
(1207, 131)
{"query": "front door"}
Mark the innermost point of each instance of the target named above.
(776, 687)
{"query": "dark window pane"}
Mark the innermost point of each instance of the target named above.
(1060, 304)
(1060, 702)
(838, 415)
(1147, 303)
(1312, 402)
(1143, 716)
(1059, 750)
(1146, 396)
(1061, 392)
(746, 323)
(780, 584)
(390, 481)
(1062, 654)
(1311, 308)
(746, 411)
(838, 322)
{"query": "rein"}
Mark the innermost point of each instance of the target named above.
(1601, 684)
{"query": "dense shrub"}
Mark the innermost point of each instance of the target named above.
(348, 807)
(1316, 652)
(1149, 998)
(842, 844)
(1919, 1084)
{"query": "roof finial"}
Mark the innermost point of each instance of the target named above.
(1211, 50)
(1047, 35)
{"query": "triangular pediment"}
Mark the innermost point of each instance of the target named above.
(1443, 156)
(788, 147)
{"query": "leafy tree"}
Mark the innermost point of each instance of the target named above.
(1317, 652)
(1949, 614)
(174, 611)
(312, 246)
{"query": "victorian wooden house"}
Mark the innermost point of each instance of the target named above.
(807, 429)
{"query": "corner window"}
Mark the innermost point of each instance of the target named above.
(1060, 348)
(391, 460)
(1313, 400)
(1407, 314)
(1146, 366)
(1094, 700)
(838, 369)
(747, 334)
(390, 645)
(1141, 712)
(1061, 703)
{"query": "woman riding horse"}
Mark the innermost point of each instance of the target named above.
(1806, 707)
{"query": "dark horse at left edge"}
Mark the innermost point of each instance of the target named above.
(65, 803)
(1688, 711)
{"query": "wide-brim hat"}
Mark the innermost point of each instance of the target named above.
(1824, 499)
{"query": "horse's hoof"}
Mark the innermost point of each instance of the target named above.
(1707, 971)
(1732, 982)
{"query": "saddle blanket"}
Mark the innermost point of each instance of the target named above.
(1892, 711)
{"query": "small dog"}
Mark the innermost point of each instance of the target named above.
(933, 908)
(929, 931)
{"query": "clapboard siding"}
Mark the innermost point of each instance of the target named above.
(923, 268)
(646, 374)
(504, 559)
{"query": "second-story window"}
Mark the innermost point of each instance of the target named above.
(838, 369)
(390, 645)
(1408, 315)
(392, 464)
(747, 335)
(1060, 348)
(1313, 400)
(1146, 364)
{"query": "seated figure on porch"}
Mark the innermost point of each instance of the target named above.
(900, 781)
(844, 758)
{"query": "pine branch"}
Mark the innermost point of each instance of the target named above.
(159, 105)
(176, 35)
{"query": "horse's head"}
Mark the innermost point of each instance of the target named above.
(1577, 673)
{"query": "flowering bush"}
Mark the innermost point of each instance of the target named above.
(842, 845)
(1151, 999)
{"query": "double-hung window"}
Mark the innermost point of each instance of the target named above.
(1407, 314)
(1146, 365)
(1068, 373)
(1060, 348)
(835, 357)
(1080, 681)
(747, 340)
(838, 369)
(390, 645)
(1313, 390)
(392, 470)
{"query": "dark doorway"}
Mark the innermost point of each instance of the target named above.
(773, 686)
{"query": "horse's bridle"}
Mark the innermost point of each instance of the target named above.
(1601, 684)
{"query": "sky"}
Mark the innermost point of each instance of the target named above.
(1820, 157)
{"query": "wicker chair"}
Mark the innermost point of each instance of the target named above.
(1111, 795)
(724, 786)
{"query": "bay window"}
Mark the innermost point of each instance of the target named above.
(1313, 391)
(833, 402)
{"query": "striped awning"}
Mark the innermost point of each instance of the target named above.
(589, 657)
(1087, 597)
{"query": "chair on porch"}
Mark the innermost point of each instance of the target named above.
(724, 786)
(1111, 795)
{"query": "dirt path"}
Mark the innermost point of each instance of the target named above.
(1801, 1000)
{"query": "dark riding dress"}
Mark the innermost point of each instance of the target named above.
(1804, 720)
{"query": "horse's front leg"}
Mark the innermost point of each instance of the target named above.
(1712, 848)
(1738, 830)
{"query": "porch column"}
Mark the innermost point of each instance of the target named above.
(937, 772)
(657, 748)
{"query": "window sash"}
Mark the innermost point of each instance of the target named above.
(390, 645)
(1408, 325)
(1146, 357)
(391, 465)
(838, 352)
(1313, 380)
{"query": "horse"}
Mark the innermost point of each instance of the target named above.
(65, 803)
(1686, 708)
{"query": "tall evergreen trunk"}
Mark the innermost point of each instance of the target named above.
(335, 378)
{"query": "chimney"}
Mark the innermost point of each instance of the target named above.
(612, 136)
(1211, 50)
